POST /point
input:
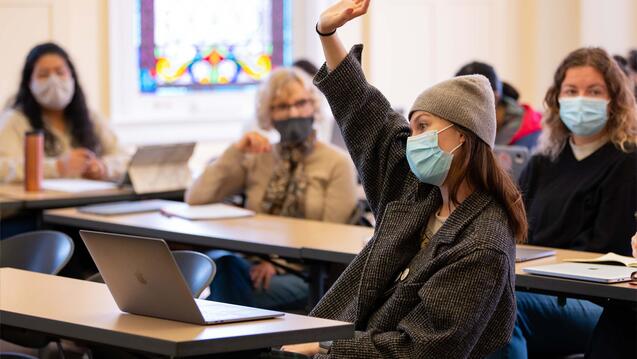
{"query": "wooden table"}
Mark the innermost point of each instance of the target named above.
(570, 287)
(9, 204)
(261, 234)
(317, 243)
(53, 199)
(347, 250)
(86, 311)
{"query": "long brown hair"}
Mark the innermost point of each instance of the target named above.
(475, 162)
(622, 112)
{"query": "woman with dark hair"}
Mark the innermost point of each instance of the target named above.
(436, 279)
(580, 192)
(50, 98)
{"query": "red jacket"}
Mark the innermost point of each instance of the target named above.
(531, 125)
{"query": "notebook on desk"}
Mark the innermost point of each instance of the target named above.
(600, 273)
(144, 279)
(206, 211)
(523, 254)
(126, 207)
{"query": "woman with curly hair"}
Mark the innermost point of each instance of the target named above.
(298, 177)
(580, 191)
(50, 98)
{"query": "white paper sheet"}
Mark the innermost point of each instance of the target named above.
(206, 211)
(75, 185)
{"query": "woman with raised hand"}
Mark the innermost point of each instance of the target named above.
(50, 98)
(436, 279)
(299, 177)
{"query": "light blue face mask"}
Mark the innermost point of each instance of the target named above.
(584, 116)
(427, 161)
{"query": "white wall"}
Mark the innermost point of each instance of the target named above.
(410, 44)
(77, 25)
(417, 43)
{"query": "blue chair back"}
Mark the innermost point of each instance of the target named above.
(37, 251)
(197, 269)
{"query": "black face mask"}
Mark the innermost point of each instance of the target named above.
(294, 130)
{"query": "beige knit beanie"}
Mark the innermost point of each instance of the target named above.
(464, 100)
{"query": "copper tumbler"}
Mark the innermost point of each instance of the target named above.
(33, 160)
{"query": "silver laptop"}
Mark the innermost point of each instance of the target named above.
(144, 279)
(513, 159)
(523, 254)
(601, 273)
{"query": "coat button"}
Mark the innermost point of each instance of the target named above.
(404, 274)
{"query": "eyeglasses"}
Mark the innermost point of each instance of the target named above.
(633, 278)
(285, 107)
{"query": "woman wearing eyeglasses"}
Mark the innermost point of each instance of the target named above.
(298, 177)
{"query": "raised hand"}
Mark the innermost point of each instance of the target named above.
(340, 13)
(253, 142)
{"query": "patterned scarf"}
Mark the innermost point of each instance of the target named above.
(285, 194)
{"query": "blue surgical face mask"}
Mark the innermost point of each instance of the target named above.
(584, 116)
(427, 161)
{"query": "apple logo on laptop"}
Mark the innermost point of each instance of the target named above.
(140, 277)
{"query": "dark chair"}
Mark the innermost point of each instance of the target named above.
(37, 251)
(197, 269)
(16, 356)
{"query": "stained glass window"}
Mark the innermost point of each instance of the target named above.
(191, 45)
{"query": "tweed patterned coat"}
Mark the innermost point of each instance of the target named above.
(457, 300)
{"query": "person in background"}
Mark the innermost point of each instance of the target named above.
(298, 177)
(580, 192)
(50, 98)
(307, 66)
(518, 124)
(436, 279)
(623, 64)
(632, 66)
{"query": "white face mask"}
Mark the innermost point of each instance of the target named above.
(54, 93)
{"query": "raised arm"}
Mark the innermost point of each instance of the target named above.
(331, 19)
(375, 134)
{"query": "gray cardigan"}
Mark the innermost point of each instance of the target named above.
(458, 299)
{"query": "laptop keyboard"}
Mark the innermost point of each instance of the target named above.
(219, 312)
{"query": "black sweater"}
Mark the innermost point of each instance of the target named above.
(584, 205)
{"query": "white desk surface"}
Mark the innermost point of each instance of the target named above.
(310, 240)
(85, 310)
(262, 234)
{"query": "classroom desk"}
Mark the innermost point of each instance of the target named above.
(317, 243)
(572, 288)
(261, 234)
(53, 199)
(9, 204)
(86, 311)
(345, 251)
